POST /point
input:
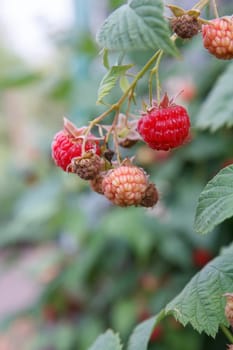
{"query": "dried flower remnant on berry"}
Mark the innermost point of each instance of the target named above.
(88, 166)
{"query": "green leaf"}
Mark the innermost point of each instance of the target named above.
(201, 302)
(18, 78)
(215, 203)
(217, 110)
(105, 59)
(110, 79)
(141, 334)
(107, 341)
(137, 25)
(124, 83)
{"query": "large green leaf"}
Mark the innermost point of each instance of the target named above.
(107, 341)
(217, 110)
(141, 334)
(215, 203)
(110, 79)
(201, 302)
(137, 25)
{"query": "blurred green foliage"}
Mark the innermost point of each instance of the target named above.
(114, 267)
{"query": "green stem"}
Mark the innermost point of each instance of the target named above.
(215, 9)
(158, 87)
(227, 333)
(131, 88)
(201, 4)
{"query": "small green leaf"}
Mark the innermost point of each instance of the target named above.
(110, 79)
(137, 25)
(141, 334)
(18, 78)
(124, 83)
(201, 302)
(107, 341)
(215, 203)
(217, 110)
(140, 337)
(105, 59)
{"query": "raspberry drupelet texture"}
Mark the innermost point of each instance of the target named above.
(125, 185)
(218, 37)
(66, 147)
(164, 126)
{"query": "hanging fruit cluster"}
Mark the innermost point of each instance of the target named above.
(163, 125)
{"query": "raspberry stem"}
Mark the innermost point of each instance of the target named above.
(227, 333)
(155, 71)
(130, 91)
(117, 105)
(200, 4)
(215, 9)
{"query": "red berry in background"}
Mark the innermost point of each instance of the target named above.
(218, 37)
(164, 126)
(201, 257)
(127, 185)
(157, 334)
(67, 144)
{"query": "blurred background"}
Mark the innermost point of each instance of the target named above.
(71, 264)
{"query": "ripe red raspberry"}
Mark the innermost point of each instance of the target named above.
(67, 144)
(164, 126)
(201, 257)
(126, 185)
(218, 37)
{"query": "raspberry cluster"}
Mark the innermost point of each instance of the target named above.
(163, 126)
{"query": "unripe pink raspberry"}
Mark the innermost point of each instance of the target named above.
(218, 37)
(126, 185)
(229, 308)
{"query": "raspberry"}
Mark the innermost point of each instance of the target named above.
(164, 126)
(229, 308)
(150, 197)
(87, 167)
(125, 185)
(201, 257)
(67, 144)
(218, 37)
(97, 183)
(185, 26)
(157, 334)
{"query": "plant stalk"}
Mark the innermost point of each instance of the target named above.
(227, 333)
